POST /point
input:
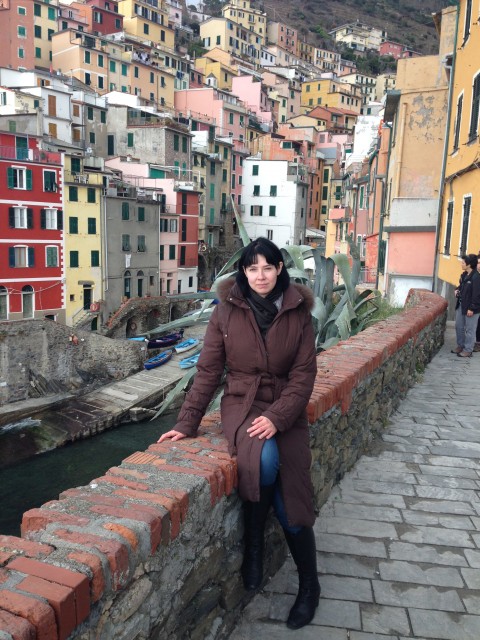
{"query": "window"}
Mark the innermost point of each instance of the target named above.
(273, 190)
(184, 230)
(37, 10)
(125, 242)
(88, 58)
(184, 145)
(475, 109)
(141, 244)
(145, 29)
(91, 195)
(97, 17)
(51, 219)
(176, 142)
(49, 181)
(256, 210)
(171, 252)
(230, 118)
(91, 226)
(113, 66)
(73, 194)
(212, 192)
(324, 193)
(20, 218)
(272, 210)
(103, 117)
(468, 20)
(448, 228)
(51, 257)
(89, 113)
(124, 69)
(224, 175)
(141, 214)
(255, 170)
(51, 13)
(94, 258)
(162, 252)
(22, 11)
(256, 189)
(100, 60)
(27, 301)
(173, 225)
(125, 211)
(21, 256)
(270, 234)
(467, 205)
(22, 32)
(37, 32)
(19, 178)
(129, 139)
(91, 137)
(73, 259)
(182, 255)
(212, 168)
(73, 225)
(75, 165)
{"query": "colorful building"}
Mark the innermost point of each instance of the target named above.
(32, 270)
(459, 231)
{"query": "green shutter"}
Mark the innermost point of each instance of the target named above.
(29, 179)
(10, 178)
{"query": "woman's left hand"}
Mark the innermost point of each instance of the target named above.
(262, 427)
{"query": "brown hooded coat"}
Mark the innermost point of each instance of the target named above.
(273, 378)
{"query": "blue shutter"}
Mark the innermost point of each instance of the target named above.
(11, 217)
(31, 256)
(29, 218)
(11, 257)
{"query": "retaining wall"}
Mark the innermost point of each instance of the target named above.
(152, 549)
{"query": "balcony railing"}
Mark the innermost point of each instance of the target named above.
(29, 155)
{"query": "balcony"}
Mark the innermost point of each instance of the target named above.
(29, 155)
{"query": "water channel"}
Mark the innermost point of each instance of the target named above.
(37, 480)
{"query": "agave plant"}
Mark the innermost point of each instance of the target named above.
(339, 309)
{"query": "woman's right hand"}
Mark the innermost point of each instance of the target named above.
(172, 435)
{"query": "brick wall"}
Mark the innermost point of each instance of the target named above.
(152, 548)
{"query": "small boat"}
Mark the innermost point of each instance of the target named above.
(186, 345)
(186, 363)
(156, 361)
(165, 341)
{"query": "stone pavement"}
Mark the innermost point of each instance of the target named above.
(398, 542)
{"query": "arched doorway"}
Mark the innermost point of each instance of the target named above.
(27, 302)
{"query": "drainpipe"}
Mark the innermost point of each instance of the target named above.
(445, 152)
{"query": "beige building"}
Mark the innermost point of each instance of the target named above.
(385, 82)
(148, 21)
(216, 73)
(282, 35)
(359, 36)
(327, 60)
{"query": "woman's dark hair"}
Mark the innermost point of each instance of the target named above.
(271, 253)
(471, 260)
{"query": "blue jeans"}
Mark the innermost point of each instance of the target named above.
(465, 328)
(269, 466)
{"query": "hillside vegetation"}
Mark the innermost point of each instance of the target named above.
(406, 21)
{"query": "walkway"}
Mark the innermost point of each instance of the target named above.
(398, 540)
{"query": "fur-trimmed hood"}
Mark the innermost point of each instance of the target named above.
(229, 287)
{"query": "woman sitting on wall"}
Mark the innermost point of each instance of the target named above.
(262, 333)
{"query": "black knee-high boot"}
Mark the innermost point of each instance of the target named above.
(255, 518)
(302, 548)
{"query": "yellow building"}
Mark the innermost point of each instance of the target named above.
(459, 231)
(146, 21)
(242, 12)
(233, 38)
(45, 25)
(83, 191)
(222, 73)
(330, 92)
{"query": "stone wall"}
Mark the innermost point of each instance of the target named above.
(152, 549)
(38, 357)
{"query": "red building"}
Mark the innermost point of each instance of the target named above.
(31, 230)
(102, 16)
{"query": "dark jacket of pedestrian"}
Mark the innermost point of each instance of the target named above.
(469, 292)
(272, 377)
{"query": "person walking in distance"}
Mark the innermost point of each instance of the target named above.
(467, 308)
(262, 333)
(476, 348)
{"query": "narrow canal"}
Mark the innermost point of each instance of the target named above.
(41, 478)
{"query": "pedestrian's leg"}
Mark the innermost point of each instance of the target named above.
(304, 553)
(256, 516)
(470, 330)
(459, 330)
(477, 337)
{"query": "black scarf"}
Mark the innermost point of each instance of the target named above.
(265, 308)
